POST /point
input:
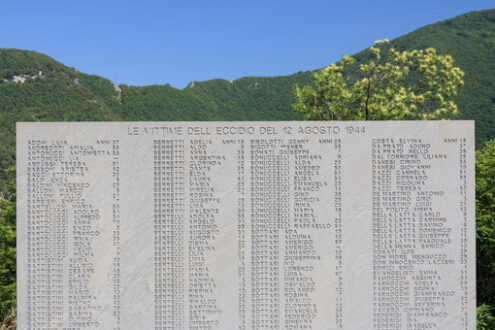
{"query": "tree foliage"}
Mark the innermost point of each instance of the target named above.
(485, 223)
(8, 246)
(417, 84)
(485, 318)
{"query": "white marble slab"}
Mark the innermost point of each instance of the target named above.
(246, 225)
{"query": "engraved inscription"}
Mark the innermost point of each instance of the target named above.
(246, 225)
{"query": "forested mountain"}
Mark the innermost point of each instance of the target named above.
(34, 87)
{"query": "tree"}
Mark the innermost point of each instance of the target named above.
(7, 246)
(418, 84)
(485, 223)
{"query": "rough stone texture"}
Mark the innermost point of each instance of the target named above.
(246, 225)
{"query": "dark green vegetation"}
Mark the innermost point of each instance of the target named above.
(7, 247)
(54, 92)
(485, 318)
(61, 93)
(485, 223)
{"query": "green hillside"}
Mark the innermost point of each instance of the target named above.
(34, 87)
(54, 92)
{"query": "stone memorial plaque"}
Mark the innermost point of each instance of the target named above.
(246, 225)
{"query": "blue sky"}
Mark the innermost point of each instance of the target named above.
(158, 42)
